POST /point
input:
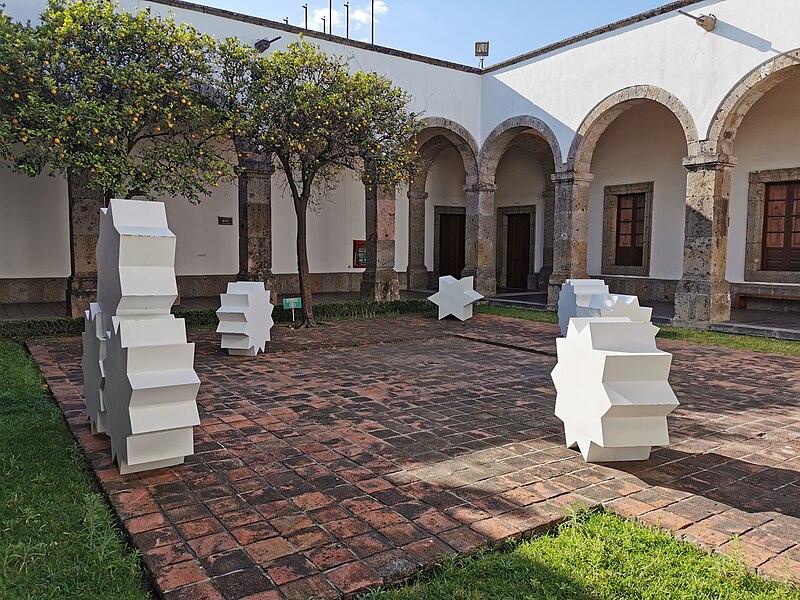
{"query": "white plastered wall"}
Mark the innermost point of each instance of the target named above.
(34, 226)
(767, 139)
(645, 143)
(445, 187)
(520, 182)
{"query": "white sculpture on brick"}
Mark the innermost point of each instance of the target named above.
(245, 318)
(94, 355)
(615, 305)
(455, 297)
(574, 293)
(151, 388)
(150, 384)
(613, 393)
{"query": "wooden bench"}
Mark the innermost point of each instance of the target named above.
(741, 298)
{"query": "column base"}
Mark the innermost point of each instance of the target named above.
(485, 280)
(418, 278)
(699, 303)
(554, 289)
(81, 292)
(270, 282)
(380, 286)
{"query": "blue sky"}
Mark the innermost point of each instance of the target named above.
(448, 28)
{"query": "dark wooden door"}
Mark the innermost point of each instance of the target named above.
(452, 231)
(519, 251)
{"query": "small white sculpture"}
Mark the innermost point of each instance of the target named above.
(94, 355)
(245, 318)
(151, 386)
(574, 293)
(615, 305)
(613, 389)
(455, 297)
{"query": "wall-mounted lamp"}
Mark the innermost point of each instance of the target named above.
(481, 50)
(707, 22)
(263, 45)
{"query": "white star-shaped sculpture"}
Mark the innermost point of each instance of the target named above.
(245, 318)
(615, 305)
(455, 297)
(574, 293)
(613, 391)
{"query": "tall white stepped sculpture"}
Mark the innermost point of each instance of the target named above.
(94, 355)
(245, 318)
(150, 384)
(613, 393)
(455, 297)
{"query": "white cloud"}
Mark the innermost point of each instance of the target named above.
(316, 15)
(360, 17)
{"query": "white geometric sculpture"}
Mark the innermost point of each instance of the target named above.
(151, 386)
(615, 305)
(613, 390)
(245, 318)
(94, 355)
(135, 260)
(455, 297)
(574, 293)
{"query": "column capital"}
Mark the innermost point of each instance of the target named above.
(709, 162)
(417, 195)
(572, 177)
(481, 187)
(254, 166)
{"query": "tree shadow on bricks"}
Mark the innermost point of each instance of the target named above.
(737, 483)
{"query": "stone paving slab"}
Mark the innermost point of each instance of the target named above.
(356, 454)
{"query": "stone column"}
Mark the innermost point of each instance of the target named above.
(380, 282)
(570, 229)
(548, 201)
(255, 223)
(84, 229)
(703, 294)
(417, 271)
(478, 252)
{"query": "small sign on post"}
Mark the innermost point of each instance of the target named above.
(292, 303)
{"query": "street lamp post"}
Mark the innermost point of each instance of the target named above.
(305, 8)
(347, 19)
(373, 22)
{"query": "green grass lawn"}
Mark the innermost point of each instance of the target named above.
(593, 556)
(57, 536)
(698, 336)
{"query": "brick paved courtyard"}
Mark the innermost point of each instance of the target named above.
(355, 454)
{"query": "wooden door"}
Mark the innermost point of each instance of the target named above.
(452, 231)
(519, 251)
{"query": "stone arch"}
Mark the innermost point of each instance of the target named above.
(731, 112)
(602, 115)
(445, 132)
(502, 136)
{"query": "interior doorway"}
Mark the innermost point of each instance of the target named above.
(450, 236)
(516, 231)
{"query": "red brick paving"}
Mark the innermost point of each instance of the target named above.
(355, 454)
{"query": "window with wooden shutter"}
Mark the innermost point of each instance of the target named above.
(781, 241)
(630, 230)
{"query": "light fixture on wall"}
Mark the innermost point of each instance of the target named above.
(263, 45)
(707, 22)
(481, 50)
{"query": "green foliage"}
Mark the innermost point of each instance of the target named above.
(38, 327)
(729, 340)
(15, 51)
(542, 316)
(57, 536)
(122, 96)
(593, 556)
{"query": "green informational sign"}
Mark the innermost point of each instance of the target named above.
(292, 303)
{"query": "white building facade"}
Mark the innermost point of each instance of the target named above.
(651, 152)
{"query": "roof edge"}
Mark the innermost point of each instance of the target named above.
(650, 14)
(262, 22)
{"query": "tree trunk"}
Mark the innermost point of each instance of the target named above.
(301, 208)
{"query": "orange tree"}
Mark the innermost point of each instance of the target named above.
(16, 78)
(317, 118)
(122, 96)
